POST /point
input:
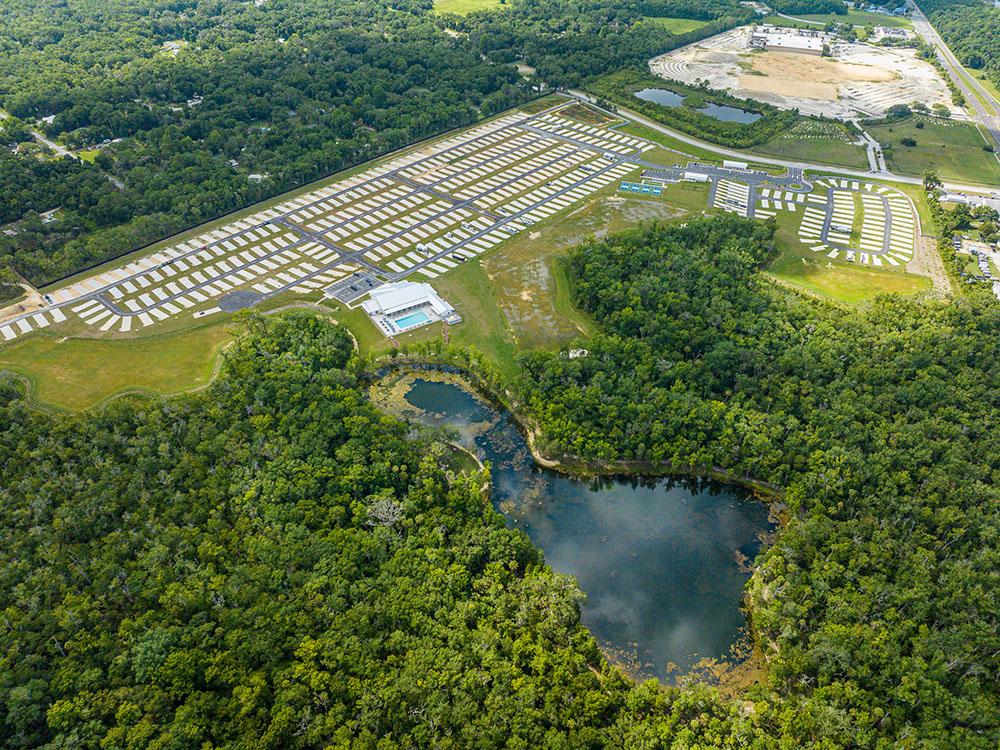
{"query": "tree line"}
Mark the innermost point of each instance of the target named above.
(184, 101)
(968, 26)
(793, 7)
(621, 87)
(878, 604)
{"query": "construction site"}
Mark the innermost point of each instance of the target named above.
(809, 70)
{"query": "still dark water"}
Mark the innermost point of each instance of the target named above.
(658, 560)
(723, 112)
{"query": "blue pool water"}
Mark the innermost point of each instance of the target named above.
(412, 320)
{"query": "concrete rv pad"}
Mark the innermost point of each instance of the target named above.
(419, 213)
(423, 212)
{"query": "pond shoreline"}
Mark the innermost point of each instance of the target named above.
(390, 386)
(576, 466)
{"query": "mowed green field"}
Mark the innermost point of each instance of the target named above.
(462, 7)
(839, 281)
(74, 374)
(954, 149)
(980, 77)
(673, 151)
(855, 17)
(820, 142)
(676, 25)
(986, 82)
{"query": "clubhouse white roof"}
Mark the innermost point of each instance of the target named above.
(389, 299)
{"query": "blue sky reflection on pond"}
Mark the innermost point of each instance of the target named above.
(659, 560)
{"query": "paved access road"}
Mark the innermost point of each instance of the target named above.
(887, 176)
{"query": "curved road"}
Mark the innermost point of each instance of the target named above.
(773, 161)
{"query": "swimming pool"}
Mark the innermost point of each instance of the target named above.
(412, 320)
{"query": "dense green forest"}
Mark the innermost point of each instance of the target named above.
(570, 43)
(290, 91)
(971, 28)
(879, 604)
(185, 99)
(809, 6)
(620, 88)
(274, 563)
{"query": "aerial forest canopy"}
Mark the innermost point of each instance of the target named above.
(274, 563)
(879, 604)
(188, 110)
(809, 6)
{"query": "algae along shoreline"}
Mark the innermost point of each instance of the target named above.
(663, 563)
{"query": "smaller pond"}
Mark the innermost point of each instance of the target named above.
(663, 562)
(722, 112)
(730, 114)
(661, 96)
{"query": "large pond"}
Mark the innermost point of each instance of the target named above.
(663, 563)
(719, 111)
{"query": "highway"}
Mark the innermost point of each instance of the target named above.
(965, 82)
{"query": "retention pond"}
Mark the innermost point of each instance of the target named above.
(723, 112)
(663, 562)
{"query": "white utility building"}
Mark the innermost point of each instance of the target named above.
(406, 305)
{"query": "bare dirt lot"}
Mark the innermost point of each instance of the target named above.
(820, 78)
(859, 80)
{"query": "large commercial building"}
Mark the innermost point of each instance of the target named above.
(780, 39)
(890, 34)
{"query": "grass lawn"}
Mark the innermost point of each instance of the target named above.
(855, 17)
(838, 281)
(529, 281)
(971, 266)
(676, 25)
(859, 220)
(517, 296)
(954, 149)
(671, 146)
(984, 81)
(819, 142)
(463, 7)
(74, 374)
(586, 115)
(483, 325)
(89, 155)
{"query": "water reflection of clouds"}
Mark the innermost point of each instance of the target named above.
(656, 559)
(619, 609)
